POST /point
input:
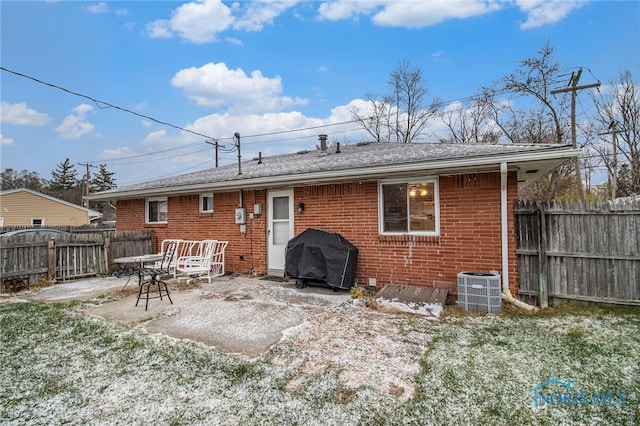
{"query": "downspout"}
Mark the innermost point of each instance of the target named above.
(504, 223)
(504, 228)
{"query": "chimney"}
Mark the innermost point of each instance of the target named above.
(323, 143)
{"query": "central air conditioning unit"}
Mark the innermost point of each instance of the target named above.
(479, 291)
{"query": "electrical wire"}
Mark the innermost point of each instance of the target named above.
(102, 104)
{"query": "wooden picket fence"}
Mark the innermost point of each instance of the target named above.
(588, 252)
(68, 257)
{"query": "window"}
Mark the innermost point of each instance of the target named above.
(156, 210)
(37, 222)
(206, 203)
(409, 207)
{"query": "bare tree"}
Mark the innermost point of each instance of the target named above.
(472, 124)
(11, 179)
(401, 116)
(535, 77)
(617, 123)
(377, 121)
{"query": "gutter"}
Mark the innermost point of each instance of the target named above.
(337, 175)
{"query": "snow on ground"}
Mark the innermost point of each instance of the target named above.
(368, 347)
(344, 364)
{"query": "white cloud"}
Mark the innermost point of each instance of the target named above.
(425, 13)
(420, 14)
(156, 138)
(439, 57)
(21, 115)
(407, 14)
(159, 29)
(257, 14)
(199, 22)
(98, 8)
(337, 10)
(117, 152)
(215, 85)
(5, 141)
(541, 12)
(75, 125)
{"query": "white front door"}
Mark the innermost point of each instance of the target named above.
(279, 226)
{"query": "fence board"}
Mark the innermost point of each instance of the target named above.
(592, 251)
(70, 256)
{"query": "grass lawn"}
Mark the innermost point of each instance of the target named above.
(60, 366)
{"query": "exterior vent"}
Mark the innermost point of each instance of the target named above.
(478, 291)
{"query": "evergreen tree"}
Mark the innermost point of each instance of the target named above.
(64, 183)
(103, 180)
(64, 177)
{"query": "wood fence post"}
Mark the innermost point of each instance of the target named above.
(542, 258)
(107, 251)
(51, 255)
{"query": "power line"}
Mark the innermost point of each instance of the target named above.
(151, 153)
(102, 104)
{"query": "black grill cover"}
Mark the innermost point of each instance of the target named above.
(321, 256)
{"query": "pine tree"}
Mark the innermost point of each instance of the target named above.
(103, 180)
(64, 177)
(64, 183)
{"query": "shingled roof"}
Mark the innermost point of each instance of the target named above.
(362, 161)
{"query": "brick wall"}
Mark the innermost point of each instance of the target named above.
(187, 223)
(469, 240)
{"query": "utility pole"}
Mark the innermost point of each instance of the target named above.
(85, 195)
(216, 147)
(236, 138)
(573, 88)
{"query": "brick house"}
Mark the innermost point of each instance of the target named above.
(419, 213)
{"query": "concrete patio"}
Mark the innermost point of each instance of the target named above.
(236, 314)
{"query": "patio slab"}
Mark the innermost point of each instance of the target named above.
(236, 314)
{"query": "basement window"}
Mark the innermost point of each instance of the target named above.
(206, 203)
(409, 207)
(156, 210)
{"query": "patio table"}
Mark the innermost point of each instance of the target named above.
(135, 265)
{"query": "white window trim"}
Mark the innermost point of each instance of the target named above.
(436, 207)
(208, 194)
(41, 219)
(146, 209)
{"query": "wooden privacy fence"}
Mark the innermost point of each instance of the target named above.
(70, 257)
(579, 251)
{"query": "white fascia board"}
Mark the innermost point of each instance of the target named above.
(341, 175)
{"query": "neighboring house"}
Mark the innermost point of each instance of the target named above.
(418, 213)
(25, 207)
